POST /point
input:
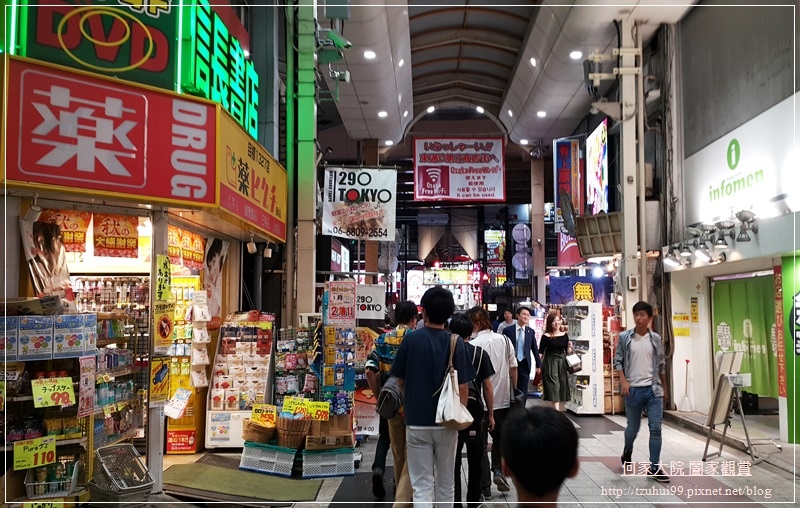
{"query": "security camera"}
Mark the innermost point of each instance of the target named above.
(340, 75)
(331, 37)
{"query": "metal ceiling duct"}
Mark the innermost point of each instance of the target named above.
(379, 84)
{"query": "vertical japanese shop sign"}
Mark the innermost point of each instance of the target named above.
(252, 184)
(120, 127)
(174, 244)
(459, 169)
(567, 167)
(135, 42)
(116, 236)
(216, 67)
(779, 344)
(73, 226)
(359, 203)
(164, 278)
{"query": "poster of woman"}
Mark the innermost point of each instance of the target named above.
(216, 252)
(47, 260)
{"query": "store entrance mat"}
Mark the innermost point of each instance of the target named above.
(355, 489)
(212, 483)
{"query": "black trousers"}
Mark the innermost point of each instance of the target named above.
(382, 449)
(499, 418)
(475, 449)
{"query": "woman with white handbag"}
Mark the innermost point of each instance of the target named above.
(554, 348)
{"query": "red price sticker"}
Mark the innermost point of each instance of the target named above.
(34, 452)
(53, 392)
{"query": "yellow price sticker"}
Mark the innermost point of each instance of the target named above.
(290, 405)
(50, 503)
(109, 409)
(34, 452)
(264, 413)
(302, 408)
(53, 392)
(319, 410)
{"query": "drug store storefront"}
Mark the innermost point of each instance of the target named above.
(84, 144)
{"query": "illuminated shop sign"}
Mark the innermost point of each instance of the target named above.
(137, 40)
(215, 66)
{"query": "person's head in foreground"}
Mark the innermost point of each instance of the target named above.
(539, 432)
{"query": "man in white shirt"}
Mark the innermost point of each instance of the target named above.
(508, 320)
(504, 361)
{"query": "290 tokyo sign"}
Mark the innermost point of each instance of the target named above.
(359, 203)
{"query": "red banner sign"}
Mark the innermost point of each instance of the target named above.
(567, 167)
(73, 226)
(780, 345)
(116, 236)
(92, 134)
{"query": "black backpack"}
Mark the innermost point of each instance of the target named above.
(474, 406)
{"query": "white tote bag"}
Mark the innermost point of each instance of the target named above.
(450, 412)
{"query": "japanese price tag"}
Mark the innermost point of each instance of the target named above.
(53, 392)
(34, 452)
(264, 413)
(290, 405)
(319, 410)
(50, 503)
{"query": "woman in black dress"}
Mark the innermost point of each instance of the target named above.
(554, 349)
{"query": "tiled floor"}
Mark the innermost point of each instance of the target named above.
(601, 482)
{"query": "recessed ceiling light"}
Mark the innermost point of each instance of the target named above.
(533, 61)
(523, 141)
(369, 54)
(431, 109)
(405, 113)
(382, 114)
(388, 142)
(541, 114)
(479, 109)
(401, 63)
(510, 113)
(575, 55)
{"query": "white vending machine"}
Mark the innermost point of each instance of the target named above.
(585, 328)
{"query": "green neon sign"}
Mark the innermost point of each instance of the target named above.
(214, 66)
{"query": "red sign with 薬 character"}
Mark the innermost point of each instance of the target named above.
(90, 134)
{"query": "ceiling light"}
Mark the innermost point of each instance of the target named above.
(388, 142)
(369, 54)
(510, 113)
(672, 261)
(743, 236)
(267, 251)
(401, 63)
(685, 252)
(479, 109)
(523, 141)
(251, 245)
(575, 55)
(702, 254)
(431, 109)
(721, 243)
(533, 61)
(597, 272)
(541, 114)
(382, 114)
(405, 113)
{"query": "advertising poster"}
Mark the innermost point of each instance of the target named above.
(370, 301)
(597, 169)
(341, 304)
(47, 260)
(780, 345)
(365, 400)
(567, 168)
(116, 236)
(73, 226)
(215, 255)
(174, 244)
(163, 324)
(159, 382)
(459, 169)
(86, 386)
(359, 203)
(495, 240)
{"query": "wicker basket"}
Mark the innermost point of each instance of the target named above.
(257, 433)
(292, 433)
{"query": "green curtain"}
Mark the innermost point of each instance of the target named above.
(744, 320)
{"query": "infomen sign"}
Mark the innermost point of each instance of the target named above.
(459, 169)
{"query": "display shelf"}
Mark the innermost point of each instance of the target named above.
(130, 434)
(585, 328)
(81, 441)
(119, 371)
(21, 398)
(98, 410)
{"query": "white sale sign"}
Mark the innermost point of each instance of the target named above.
(370, 301)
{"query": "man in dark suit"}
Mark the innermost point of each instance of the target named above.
(524, 341)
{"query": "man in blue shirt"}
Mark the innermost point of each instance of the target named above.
(420, 366)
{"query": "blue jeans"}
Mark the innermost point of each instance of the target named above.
(639, 398)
